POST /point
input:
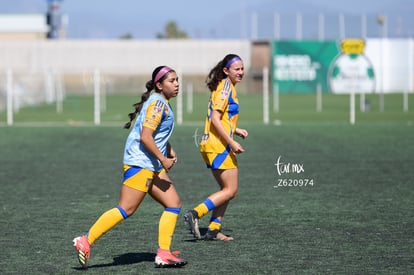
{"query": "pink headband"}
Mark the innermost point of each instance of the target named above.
(161, 73)
(231, 61)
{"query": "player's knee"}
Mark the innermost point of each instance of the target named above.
(234, 194)
(130, 210)
(231, 193)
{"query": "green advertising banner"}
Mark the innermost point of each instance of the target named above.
(300, 66)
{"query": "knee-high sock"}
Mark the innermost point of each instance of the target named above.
(166, 227)
(215, 224)
(203, 208)
(106, 222)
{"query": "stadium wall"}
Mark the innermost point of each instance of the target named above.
(190, 57)
(39, 67)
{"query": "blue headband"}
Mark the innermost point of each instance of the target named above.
(231, 61)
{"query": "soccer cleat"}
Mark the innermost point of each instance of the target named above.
(191, 217)
(215, 235)
(165, 258)
(83, 247)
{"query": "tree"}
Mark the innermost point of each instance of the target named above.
(172, 31)
(126, 36)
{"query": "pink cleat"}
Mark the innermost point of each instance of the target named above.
(83, 247)
(165, 258)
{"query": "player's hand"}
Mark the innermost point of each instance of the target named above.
(242, 133)
(168, 163)
(236, 147)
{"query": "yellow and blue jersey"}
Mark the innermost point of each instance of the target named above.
(223, 99)
(156, 114)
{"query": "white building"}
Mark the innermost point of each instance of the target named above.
(25, 26)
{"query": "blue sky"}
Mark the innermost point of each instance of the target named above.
(216, 18)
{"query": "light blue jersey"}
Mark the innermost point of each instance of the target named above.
(157, 115)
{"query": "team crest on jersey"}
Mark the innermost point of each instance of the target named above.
(158, 107)
(224, 94)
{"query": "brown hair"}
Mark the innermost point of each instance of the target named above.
(216, 74)
(150, 85)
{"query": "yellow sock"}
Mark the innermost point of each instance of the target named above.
(166, 227)
(203, 208)
(106, 222)
(215, 224)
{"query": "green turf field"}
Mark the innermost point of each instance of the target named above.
(79, 110)
(356, 218)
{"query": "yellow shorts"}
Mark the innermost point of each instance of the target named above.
(139, 178)
(220, 161)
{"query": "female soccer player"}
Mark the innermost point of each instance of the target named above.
(147, 157)
(218, 148)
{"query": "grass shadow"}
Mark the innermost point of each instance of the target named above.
(203, 231)
(125, 259)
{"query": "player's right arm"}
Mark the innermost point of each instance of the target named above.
(216, 121)
(152, 120)
(147, 139)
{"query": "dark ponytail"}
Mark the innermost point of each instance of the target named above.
(138, 105)
(150, 85)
